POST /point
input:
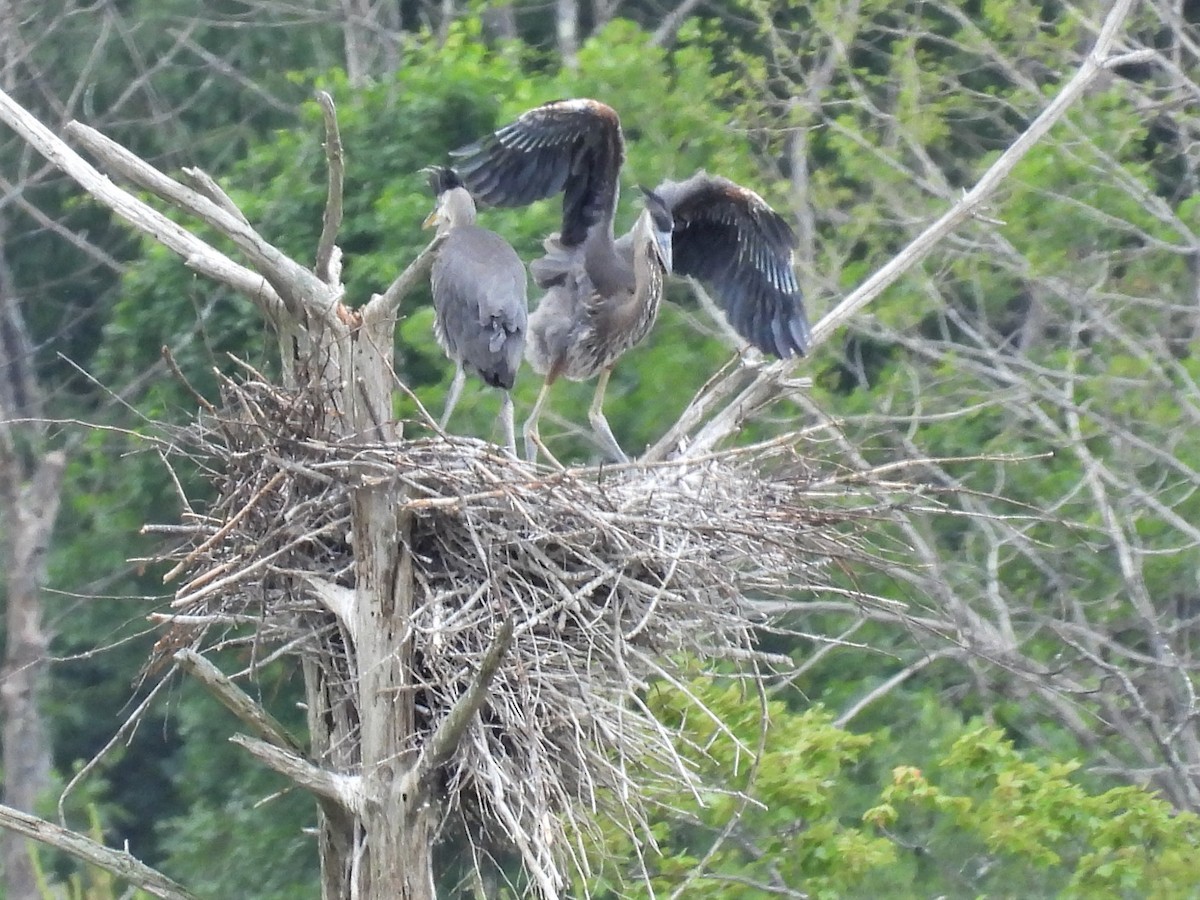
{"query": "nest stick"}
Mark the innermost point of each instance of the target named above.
(275, 481)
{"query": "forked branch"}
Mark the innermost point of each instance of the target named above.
(196, 253)
(342, 789)
(440, 746)
(384, 306)
(307, 297)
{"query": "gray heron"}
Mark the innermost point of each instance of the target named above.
(479, 302)
(603, 293)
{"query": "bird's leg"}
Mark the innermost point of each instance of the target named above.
(600, 424)
(506, 420)
(456, 386)
(533, 440)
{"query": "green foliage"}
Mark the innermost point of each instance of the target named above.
(794, 829)
(1035, 830)
(981, 818)
(234, 810)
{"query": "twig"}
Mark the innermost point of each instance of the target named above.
(121, 864)
(80, 241)
(217, 63)
(203, 620)
(273, 483)
(882, 690)
(127, 728)
(384, 306)
(237, 701)
(341, 789)
(699, 870)
(331, 221)
(169, 359)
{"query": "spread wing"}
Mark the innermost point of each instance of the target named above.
(727, 235)
(573, 146)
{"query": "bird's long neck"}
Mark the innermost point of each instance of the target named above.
(649, 272)
(609, 271)
(458, 209)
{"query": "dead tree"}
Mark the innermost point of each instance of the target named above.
(476, 633)
(30, 481)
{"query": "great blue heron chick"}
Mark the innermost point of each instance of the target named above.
(577, 332)
(721, 233)
(479, 301)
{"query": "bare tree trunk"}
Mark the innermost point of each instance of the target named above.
(370, 32)
(500, 21)
(398, 824)
(445, 19)
(29, 495)
(29, 515)
(566, 20)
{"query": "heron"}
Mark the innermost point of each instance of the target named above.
(602, 292)
(479, 297)
(580, 329)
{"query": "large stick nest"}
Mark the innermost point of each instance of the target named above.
(612, 578)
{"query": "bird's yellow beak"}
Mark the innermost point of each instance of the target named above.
(431, 219)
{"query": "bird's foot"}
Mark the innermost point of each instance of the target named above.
(606, 439)
(533, 443)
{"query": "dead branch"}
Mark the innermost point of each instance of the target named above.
(207, 185)
(383, 307)
(307, 298)
(123, 865)
(237, 701)
(341, 789)
(327, 267)
(765, 386)
(196, 253)
(445, 738)
(338, 600)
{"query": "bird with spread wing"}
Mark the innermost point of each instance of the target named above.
(602, 293)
